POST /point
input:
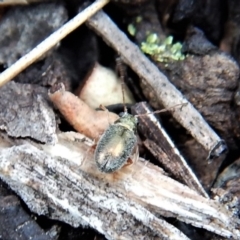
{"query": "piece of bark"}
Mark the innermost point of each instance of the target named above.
(164, 150)
(25, 112)
(164, 91)
(63, 182)
(29, 25)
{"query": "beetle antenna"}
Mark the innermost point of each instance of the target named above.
(163, 110)
(122, 72)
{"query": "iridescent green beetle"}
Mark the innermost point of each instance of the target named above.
(119, 141)
(117, 144)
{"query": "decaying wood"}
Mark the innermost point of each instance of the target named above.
(162, 147)
(50, 42)
(62, 182)
(25, 112)
(167, 94)
(58, 188)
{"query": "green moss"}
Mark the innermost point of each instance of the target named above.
(162, 51)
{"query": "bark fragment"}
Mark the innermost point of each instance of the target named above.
(161, 146)
(71, 189)
(83, 118)
(25, 112)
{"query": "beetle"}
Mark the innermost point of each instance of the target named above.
(117, 143)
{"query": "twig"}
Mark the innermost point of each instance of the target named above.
(167, 94)
(50, 42)
(19, 2)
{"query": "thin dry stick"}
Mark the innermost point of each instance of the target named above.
(166, 93)
(19, 2)
(162, 110)
(50, 42)
(121, 70)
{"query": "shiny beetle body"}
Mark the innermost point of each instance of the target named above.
(116, 144)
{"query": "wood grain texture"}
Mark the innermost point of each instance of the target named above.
(62, 182)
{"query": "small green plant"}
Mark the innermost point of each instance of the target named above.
(162, 51)
(132, 26)
(131, 29)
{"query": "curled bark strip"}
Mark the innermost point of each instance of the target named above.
(167, 94)
(85, 120)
